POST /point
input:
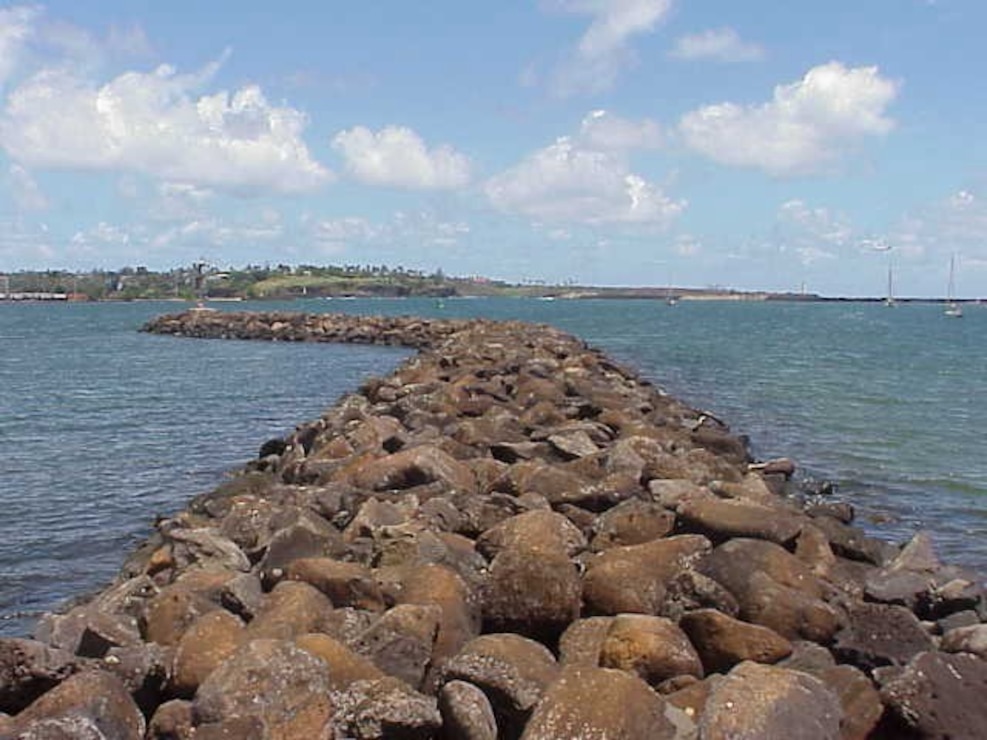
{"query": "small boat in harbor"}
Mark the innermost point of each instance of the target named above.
(889, 299)
(953, 309)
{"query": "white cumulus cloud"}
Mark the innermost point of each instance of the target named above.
(805, 128)
(718, 44)
(570, 182)
(397, 157)
(158, 123)
(604, 49)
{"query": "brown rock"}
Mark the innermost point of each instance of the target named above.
(970, 639)
(384, 709)
(720, 520)
(345, 665)
(937, 695)
(400, 641)
(790, 612)
(459, 606)
(880, 634)
(540, 530)
(632, 522)
(346, 584)
(554, 482)
(28, 669)
(213, 638)
(282, 686)
(599, 704)
(581, 643)
(144, 670)
(90, 630)
(511, 670)
(466, 712)
(413, 467)
(653, 648)
(177, 606)
(757, 701)
(92, 704)
(293, 608)
(307, 538)
(573, 444)
(633, 579)
(533, 592)
(773, 588)
(171, 721)
(205, 547)
(860, 701)
(722, 641)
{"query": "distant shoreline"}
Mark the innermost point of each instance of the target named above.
(544, 293)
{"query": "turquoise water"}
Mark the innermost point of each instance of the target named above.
(102, 428)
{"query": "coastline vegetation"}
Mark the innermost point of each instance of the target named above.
(203, 281)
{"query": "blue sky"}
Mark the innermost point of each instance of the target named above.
(754, 145)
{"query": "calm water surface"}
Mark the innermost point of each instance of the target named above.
(102, 427)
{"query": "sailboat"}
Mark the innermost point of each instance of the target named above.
(889, 299)
(953, 309)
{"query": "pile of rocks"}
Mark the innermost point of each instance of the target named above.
(509, 537)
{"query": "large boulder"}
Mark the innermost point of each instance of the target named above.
(384, 709)
(773, 588)
(880, 634)
(653, 648)
(28, 669)
(540, 529)
(91, 704)
(345, 583)
(599, 704)
(937, 695)
(723, 519)
(293, 608)
(282, 688)
(466, 712)
(413, 467)
(512, 671)
(213, 638)
(722, 641)
(533, 592)
(756, 701)
(400, 641)
(634, 579)
(345, 665)
(631, 522)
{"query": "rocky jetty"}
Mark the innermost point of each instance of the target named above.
(510, 536)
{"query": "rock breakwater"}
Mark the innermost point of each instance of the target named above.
(510, 536)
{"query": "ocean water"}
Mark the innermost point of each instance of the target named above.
(103, 428)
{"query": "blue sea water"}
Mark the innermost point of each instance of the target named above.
(102, 428)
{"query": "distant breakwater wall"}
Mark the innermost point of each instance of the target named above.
(510, 536)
